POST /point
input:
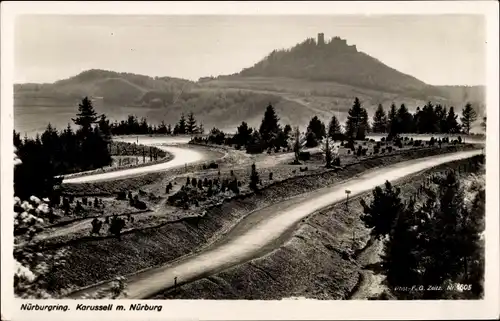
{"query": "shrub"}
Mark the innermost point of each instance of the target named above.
(304, 156)
(336, 161)
(382, 139)
(188, 180)
(389, 149)
(271, 176)
(116, 226)
(382, 150)
(349, 152)
(459, 139)
(254, 178)
(121, 196)
(194, 182)
(364, 151)
(84, 201)
(200, 184)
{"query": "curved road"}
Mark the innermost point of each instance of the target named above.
(181, 155)
(260, 231)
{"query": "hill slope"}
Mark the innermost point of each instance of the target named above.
(306, 80)
(339, 62)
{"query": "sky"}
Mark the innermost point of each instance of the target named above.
(437, 49)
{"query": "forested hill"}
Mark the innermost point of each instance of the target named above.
(114, 87)
(337, 61)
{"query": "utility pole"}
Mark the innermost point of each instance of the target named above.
(175, 284)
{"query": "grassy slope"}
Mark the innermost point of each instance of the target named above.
(223, 102)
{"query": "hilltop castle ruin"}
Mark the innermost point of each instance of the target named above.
(335, 43)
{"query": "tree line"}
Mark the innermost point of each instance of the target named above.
(272, 136)
(55, 153)
(432, 243)
(133, 126)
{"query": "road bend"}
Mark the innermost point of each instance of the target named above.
(258, 232)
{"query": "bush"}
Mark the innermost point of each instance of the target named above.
(359, 152)
(349, 152)
(254, 178)
(382, 139)
(116, 226)
(336, 161)
(200, 184)
(271, 176)
(121, 196)
(339, 136)
(459, 139)
(350, 144)
(194, 182)
(304, 156)
(389, 149)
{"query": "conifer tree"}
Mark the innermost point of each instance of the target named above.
(334, 128)
(452, 125)
(317, 127)
(86, 115)
(379, 120)
(243, 135)
(269, 126)
(191, 124)
(385, 207)
(357, 121)
(104, 127)
(469, 116)
(181, 126)
(404, 120)
(393, 121)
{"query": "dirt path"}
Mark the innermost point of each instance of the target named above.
(260, 232)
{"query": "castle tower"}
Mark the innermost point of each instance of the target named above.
(321, 39)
